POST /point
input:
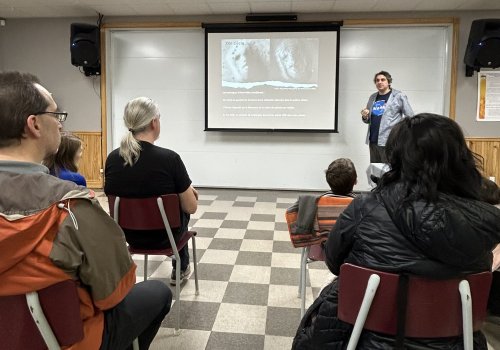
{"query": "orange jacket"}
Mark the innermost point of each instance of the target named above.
(52, 230)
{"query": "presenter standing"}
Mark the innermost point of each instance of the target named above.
(385, 108)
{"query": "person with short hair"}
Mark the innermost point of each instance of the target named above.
(64, 164)
(140, 169)
(53, 230)
(341, 176)
(384, 109)
(424, 218)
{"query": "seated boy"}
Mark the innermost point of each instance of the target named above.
(341, 177)
(311, 218)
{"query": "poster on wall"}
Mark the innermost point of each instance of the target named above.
(488, 96)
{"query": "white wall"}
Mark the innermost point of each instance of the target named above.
(168, 66)
(41, 46)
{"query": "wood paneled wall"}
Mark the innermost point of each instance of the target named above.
(91, 164)
(489, 149)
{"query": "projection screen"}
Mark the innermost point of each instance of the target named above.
(271, 77)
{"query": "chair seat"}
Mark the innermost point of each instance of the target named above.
(316, 253)
(186, 236)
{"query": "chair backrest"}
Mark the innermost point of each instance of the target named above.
(328, 211)
(61, 307)
(433, 306)
(144, 213)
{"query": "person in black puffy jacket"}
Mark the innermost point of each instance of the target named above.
(424, 218)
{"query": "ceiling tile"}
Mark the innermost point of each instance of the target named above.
(270, 6)
(115, 10)
(353, 5)
(71, 8)
(153, 9)
(395, 5)
(312, 6)
(441, 5)
(190, 8)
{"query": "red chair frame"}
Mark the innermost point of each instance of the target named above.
(155, 213)
(434, 308)
(48, 318)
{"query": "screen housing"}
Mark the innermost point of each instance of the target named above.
(278, 102)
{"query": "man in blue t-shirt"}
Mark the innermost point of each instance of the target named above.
(384, 109)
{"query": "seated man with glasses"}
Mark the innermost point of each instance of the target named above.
(53, 230)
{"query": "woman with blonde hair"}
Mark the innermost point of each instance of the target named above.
(64, 164)
(140, 169)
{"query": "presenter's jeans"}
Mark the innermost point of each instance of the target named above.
(377, 154)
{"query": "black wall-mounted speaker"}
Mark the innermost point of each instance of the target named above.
(271, 17)
(84, 47)
(483, 47)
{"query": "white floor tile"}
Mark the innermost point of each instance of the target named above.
(251, 274)
(230, 233)
(188, 339)
(238, 318)
(216, 256)
(256, 245)
(273, 342)
(209, 291)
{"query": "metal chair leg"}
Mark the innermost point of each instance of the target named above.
(178, 292)
(299, 293)
(195, 265)
(145, 267)
(303, 279)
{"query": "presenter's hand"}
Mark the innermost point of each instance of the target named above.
(364, 113)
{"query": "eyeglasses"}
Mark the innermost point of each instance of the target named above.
(61, 116)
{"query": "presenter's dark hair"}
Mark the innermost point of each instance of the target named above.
(19, 98)
(429, 156)
(387, 75)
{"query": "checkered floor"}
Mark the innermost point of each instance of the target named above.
(248, 272)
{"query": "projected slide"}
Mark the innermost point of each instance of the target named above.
(278, 62)
(272, 81)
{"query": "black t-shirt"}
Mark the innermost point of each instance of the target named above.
(378, 110)
(157, 171)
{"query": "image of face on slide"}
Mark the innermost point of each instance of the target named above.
(245, 60)
(296, 60)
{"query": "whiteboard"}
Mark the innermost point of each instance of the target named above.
(167, 65)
